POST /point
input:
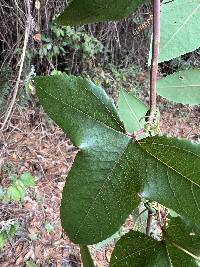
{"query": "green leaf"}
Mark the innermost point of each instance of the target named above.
(170, 170)
(27, 179)
(21, 188)
(68, 97)
(49, 227)
(56, 50)
(33, 236)
(110, 169)
(135, 249)
(12, 229)
(86, 257)
(1, 192)
(90, 11)
(183, 242)
(13, 193)
(179, 28)
(181, 87)
(30, 264)
(180, 247)
(131, 111)
(95, 187)
(2, 240)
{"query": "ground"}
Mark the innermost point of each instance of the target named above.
(33, 143)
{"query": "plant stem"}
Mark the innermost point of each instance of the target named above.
(149, 221)
(154, 61)
(153, 78)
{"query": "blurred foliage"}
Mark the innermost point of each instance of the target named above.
(5, 87)
(61, 38)
(8, 230)
(113, 78)
(61, 45)
(17, 189)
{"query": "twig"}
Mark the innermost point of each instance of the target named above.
(153, 79)
(26, 37)
(137, 218)
(149, 221)
(154, 60)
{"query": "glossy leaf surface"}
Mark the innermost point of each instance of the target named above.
(180, 248)
(171, 167)
(135, 249)
(131, 111)
(90, 11)
(110, 169)
(95, 187)
(181, 87)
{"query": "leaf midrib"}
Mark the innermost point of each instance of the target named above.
(80, 111)
(165, 164)
(136, 252)
(105, 180)
(185, 22)
(105, 107)
(132, 113)
(172, 146)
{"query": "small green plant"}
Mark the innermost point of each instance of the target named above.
(8, 230)
(61, 38)
(48, 227)
(15, 192)
(17, 189)
(30, 264)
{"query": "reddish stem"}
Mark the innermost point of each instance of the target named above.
(154, 61)
(136, 135)
(153, 78)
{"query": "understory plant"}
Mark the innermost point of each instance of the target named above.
(124, 163)
(64, 40)
(15, 192)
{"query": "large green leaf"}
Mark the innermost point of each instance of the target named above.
(90, 11)
(86, 256)
(183, 242)
(77, 105)
(110, 169)
(171, 169)
(135, 249)
(131, 111)
(180, 248)
(94, 191)
(181, 87)
(180, 32)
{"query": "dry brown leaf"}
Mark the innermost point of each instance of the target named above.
(30, 254)
(38, 251)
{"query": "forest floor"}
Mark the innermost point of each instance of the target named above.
(33, 143)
